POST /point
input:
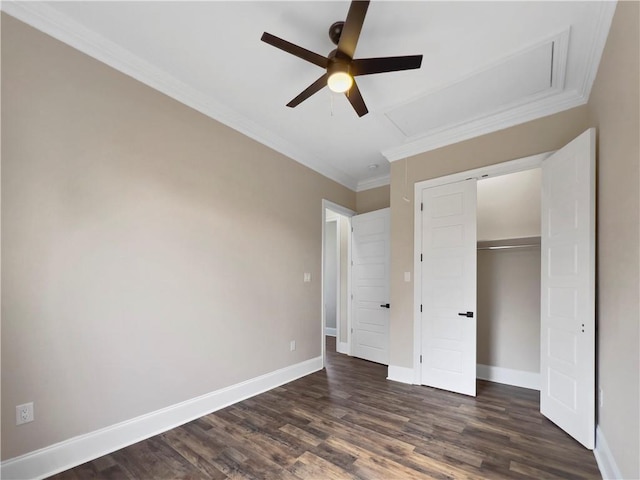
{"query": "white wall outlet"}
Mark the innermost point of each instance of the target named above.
(600, 397)
(24, 413)
(307, 277)
(292, 345)
(407, 276)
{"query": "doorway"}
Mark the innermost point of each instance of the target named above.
(508, 278)
(336, 260)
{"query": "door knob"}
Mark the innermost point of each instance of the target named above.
(385, 305)
(466, 314)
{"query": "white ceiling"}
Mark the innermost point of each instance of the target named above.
(485, 67)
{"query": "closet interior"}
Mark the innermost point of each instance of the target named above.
(508, 271)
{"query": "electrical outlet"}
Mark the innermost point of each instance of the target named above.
(292, 345)
(24, 413)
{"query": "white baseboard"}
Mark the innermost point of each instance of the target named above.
(606, 463)
(400, 374)
(343, 347)
(330, 332)
(75, 451)
(517, 378)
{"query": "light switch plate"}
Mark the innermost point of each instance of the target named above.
(407, 276)
(307, 277)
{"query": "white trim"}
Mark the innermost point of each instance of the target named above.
(607, 10)
(507, 376)
(62, 27)
(343, 347)
(606, 463)
(489, 124)
(75, 451)
(373, 183)
(417, 284)
(401, 374)
(330, 332)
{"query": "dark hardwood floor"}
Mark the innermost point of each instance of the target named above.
(348, 421)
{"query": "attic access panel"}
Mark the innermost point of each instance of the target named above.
(516, 80)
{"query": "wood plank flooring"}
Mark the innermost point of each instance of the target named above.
(349, 422)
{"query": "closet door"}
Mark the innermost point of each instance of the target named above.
(567, 393)
(449, 287)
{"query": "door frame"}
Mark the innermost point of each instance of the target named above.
(348, 213)
(496, 170)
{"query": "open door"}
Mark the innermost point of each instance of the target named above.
(370, 280)
(449, 287)
(567, 357)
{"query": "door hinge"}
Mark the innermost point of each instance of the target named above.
(420, 358)
(351, 229)
(421, 206)
(420, 307)
(352, 296)
(420, 257)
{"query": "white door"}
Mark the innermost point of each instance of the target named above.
(449, 287)
(370, 280)
(567, 360)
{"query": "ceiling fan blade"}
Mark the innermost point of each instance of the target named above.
(356, 100)
(352, 27)
(299, 52)
(310, 90)
(368, 66)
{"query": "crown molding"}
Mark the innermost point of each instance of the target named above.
(605, 17)
(373, 183)
(489, 124)
(47, 19)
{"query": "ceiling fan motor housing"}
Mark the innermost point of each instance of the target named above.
(335, 30)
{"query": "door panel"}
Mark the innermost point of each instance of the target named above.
(371, 236)
(449, 287)
(567, 395)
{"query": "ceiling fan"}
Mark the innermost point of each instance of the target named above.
(340, 66)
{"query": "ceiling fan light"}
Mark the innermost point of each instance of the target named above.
(340, 82)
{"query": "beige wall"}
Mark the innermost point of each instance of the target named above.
(372, 199)
(509, 308)
(149, 253)
(509, 206)
(531, 138)
(614, 107)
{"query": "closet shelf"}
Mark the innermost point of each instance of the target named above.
(508, 244)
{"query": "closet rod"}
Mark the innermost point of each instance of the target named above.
(505, 247)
